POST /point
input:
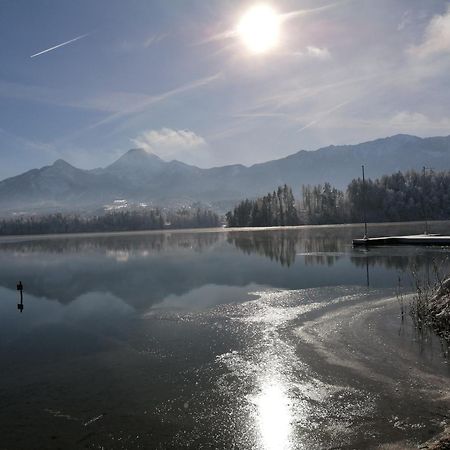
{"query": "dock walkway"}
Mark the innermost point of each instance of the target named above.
(414, 239)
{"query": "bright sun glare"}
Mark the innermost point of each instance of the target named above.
(259, 28)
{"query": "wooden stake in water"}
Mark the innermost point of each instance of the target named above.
(364, 203)
(20, 289)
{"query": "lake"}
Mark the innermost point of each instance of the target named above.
(268, 339)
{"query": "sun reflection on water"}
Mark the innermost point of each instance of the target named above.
(274, 415)
(284, 402)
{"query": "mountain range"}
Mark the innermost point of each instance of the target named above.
(142, 177)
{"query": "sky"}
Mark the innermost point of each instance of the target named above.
(178, 78)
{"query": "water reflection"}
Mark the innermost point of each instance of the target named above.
(97, 310)
(147, 269)
(204, 297)
(157, 329)
(279, 246)
(266, 366)
(274, 415)
(129, 243)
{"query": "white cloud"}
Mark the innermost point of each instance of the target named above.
(313, 52)
(169, 138)
(318, 52)
(184, 145)
(418, 122)
(437, 37)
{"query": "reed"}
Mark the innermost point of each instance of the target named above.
(429, 307)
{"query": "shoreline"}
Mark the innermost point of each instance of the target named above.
(20, 237)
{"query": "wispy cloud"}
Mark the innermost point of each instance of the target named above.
(405, 21)
(318, 52)
(34, 145)
(147, 101)
(149, 41)
(60, 45)
(119, 104)
(295, 106)
(304, 12)
(292, 94)
(409, 122)
(109, 102)
(418, 122)
(437, 37)
(311, 51)
(323, 115)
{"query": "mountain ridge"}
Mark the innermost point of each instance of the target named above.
(141, 176)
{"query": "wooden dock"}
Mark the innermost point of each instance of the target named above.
(414, 239)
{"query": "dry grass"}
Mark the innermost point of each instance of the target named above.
(430, 306)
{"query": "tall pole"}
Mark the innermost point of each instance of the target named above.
(424, 199)
(364, 203)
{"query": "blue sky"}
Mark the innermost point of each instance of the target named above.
(175, 78)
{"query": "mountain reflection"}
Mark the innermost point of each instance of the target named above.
(125, 242)
(174, 268)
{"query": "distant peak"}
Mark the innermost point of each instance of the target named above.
(137, 158)
(61, 163)
(141, 151)
(136, 151)
(405, 137)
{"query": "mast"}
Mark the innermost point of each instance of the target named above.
(364, 203)
(424, 202)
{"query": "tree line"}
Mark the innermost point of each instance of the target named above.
(391, 198)
(398, 197)
(274, 209)
(154, 219)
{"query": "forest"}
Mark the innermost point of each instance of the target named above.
(154, 219)
(392, 198)
(274, 209)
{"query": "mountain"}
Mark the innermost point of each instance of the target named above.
(140, 176)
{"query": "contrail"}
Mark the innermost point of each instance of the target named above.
(303, 12)
(324, 114)
(60, 45)
(150, 100)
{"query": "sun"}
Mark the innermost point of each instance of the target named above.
(259, 28)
